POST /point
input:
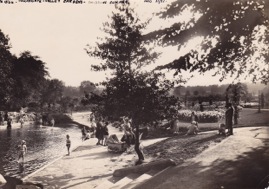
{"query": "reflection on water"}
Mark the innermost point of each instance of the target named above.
(44, 145)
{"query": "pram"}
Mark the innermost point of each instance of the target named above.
(114, 145)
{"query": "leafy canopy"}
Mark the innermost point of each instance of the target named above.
(235, 37)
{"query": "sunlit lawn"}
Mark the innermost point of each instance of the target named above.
(251, 117)
(248, 117)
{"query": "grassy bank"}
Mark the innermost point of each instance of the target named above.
(251, 117)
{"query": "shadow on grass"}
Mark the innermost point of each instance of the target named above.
(182, 147)
(250, 170)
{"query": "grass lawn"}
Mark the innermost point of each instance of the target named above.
(247, 117)
(251, 117)
(181, 147)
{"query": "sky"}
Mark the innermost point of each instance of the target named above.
(59, 32)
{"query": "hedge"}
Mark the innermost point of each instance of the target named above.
(203, 117)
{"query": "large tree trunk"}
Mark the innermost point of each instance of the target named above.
(137, 146)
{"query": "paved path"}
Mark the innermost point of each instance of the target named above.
(239, 161)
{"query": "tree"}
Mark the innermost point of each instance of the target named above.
(177, 91)
(29, 74)
(196, 92)
(187, 94)
(234, 92)
(72, 92)
(6, 66)
(235, 37)
(66, 103)
(131, 91)
(87, 87)
(52, 92)
(262, 100)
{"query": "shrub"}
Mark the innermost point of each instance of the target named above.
(203, 117)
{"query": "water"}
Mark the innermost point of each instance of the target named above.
(44, 145)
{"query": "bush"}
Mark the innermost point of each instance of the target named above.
(58, 117)
(203, 117)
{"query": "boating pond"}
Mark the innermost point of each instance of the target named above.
(44, 144)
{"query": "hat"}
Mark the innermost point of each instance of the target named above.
(194, 123)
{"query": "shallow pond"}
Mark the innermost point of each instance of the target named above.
(44, 145)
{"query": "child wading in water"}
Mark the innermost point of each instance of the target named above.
(68, 144)
(23, 150)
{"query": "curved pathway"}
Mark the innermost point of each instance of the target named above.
(240, 161)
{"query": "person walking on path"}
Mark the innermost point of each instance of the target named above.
(22, 150)
(229, 118)
(105, 133)
(99, 132)
(68, 144)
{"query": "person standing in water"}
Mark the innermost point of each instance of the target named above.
(68, 144)
(23, 150)
(9, 121)
(52, 121)
(21, 120)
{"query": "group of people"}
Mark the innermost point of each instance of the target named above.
(21, 117)
(5, 118)
(231, 116)
(101, 132)
(193, 128)
(99, 129)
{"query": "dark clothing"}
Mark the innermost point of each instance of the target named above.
(128, 138)
(68, 143)
(229, 119)
(6, 117)
(99, 131)
(105, 131)
(194, 118)
(83, 132)
(236, 115)
(8, 123)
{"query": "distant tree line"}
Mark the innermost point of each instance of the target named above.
(218, 92)
(25, 82)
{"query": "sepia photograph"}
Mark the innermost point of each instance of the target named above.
(134, 94)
